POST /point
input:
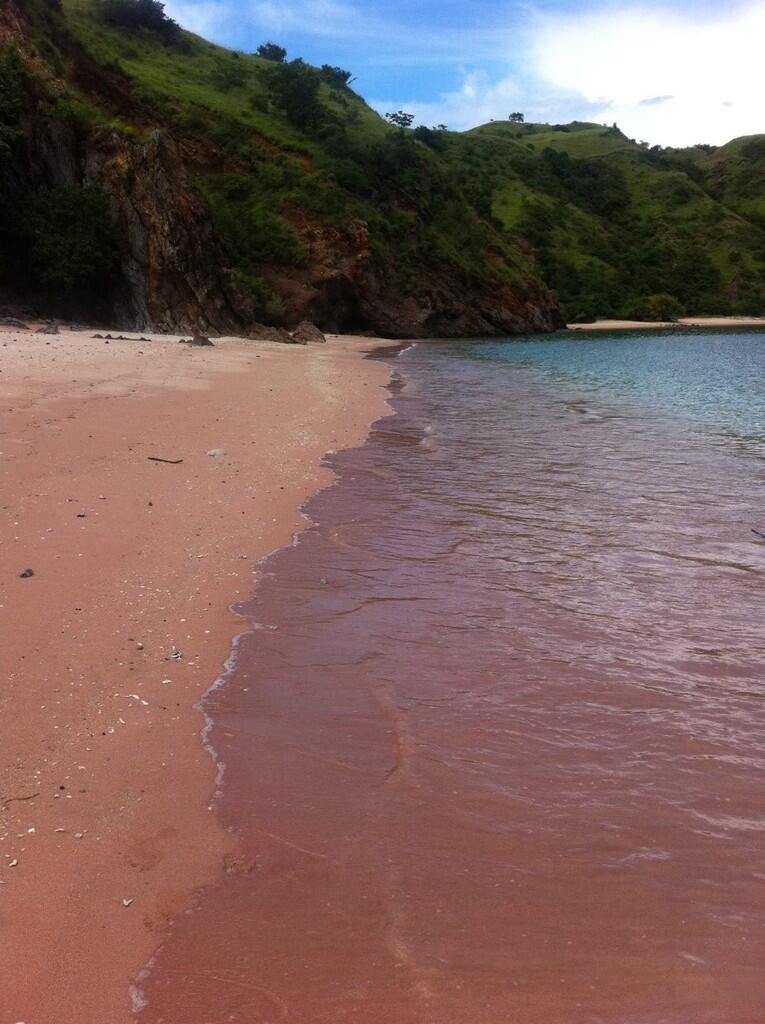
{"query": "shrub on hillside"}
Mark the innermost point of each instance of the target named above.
(435, 138)
(590, 184)
(270, 51)
(228, 73)
(11, 103)
(73, 240)
(11, 95)
(584, 316)
(253, 232)
(295, 88)
(136, 14)
(336, 77)
(655, 308)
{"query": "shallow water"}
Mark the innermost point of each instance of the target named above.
(495, 748)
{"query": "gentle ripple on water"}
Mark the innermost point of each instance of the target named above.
(500, 756)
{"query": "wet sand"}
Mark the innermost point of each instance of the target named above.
(495, 747)
(105, 827)
(686, 321)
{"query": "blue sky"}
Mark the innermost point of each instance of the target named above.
(669, 73)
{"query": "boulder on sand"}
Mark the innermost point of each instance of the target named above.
(259, 332)
(307, 333)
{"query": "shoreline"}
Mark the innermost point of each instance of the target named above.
(106, 832)
(417, 813)
(720, 322)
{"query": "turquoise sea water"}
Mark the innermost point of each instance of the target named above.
(713, 378)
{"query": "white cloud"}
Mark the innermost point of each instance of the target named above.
(478, 100)
(475, 101)
(708, 73)
(208, 18)
(669, 77)
(205, 18)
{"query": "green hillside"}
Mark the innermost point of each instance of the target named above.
(613, 222)
(736, 176)
(150, 175)
(302, 199)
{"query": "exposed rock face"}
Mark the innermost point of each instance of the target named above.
(13, 24)
(174, 275)
(343, 290)
(174, 272)
(173, 265)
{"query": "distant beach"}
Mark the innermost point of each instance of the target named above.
(687, 321)
(141, 482)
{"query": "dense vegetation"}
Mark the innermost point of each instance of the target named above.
(617, 227)
(614, 227)
(63, 235)
(140, 14)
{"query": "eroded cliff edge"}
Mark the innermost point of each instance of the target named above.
(82, 123)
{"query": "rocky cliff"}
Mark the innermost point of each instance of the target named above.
(155, 180)
(86, 122)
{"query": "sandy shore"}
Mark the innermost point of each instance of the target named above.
(105, 830)
(687, 321)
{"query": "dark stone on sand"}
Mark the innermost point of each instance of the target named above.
(307, 333)
(198, 341)
(51, 328)
(26, 574)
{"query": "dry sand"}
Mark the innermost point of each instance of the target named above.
(105, 827)
(687, 321)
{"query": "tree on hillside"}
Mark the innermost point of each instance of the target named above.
(338, 77)
(74, 242)
(517, 117)
(136, 14)
(400, 119)
(11, 102)
(433, 137)
(270, 51)
(295, 87)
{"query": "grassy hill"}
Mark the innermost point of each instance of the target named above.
(613, 222)
(241, 189)
(157, 178)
